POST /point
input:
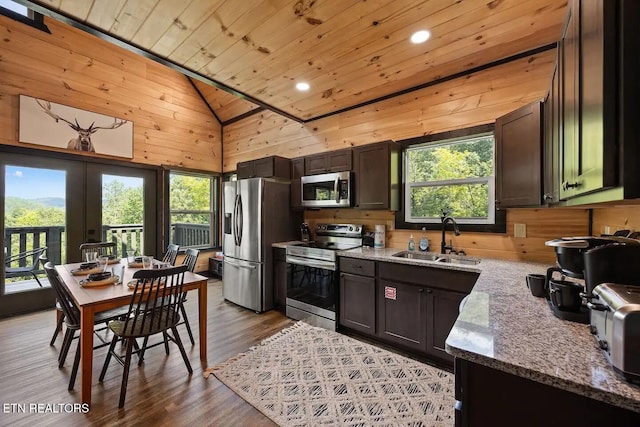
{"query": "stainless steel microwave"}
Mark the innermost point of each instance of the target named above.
(327, 190)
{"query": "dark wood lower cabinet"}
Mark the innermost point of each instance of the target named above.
(489, 397)
(408, 306)
(442, 311)
(402, 314)
(357, 303)
(280, 271)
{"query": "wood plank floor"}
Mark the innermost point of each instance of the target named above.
(159, 393)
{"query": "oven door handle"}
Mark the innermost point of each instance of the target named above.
(324, 265)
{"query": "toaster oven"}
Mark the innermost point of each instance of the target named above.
(615, 324)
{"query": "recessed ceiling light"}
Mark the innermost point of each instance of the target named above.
(302, 86)
(420, 36)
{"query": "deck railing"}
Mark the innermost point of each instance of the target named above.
(127, 237)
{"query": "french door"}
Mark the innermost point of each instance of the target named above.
(58, 204)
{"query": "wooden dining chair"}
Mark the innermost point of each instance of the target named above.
(101, 248)
(44, 259)
(72, 321)
(154, 309)
(190, 259)
(171, 254)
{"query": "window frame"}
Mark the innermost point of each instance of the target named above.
(499, 215)
(33, 19)
(213, 212)
(489, 180)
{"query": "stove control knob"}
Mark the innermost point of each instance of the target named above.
(603, 344)
(350, 228)
(593, 329)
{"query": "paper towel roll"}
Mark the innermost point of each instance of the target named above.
(379, 236)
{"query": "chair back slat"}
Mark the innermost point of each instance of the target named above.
(155, 302)
(171, 254)
(101, 248)
(190, 258)
(69, 308)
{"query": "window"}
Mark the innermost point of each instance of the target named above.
(15, 7)
(193, 206)
(454, 176)
(23, 14)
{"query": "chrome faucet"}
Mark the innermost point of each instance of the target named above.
(445, 218)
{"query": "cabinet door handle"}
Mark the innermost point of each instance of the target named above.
(421, 290)
(548, 196)
(429, 291)
(567, 185)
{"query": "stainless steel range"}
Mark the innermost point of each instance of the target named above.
(312, 277)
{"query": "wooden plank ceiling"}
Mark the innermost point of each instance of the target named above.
(349, 51)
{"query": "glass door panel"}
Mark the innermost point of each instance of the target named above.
(34, 212)
(121, 207)
(60, 204)
(34, 224)
(123, 212)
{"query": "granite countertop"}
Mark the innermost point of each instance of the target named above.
(504, 327)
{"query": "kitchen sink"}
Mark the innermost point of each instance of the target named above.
(417, 255)
(437, 258)
(464, 261)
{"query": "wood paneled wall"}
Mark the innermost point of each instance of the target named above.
(463, 102)
(616, 218)
(172, 124)
(542, 225)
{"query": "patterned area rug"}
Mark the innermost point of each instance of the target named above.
(306, 375)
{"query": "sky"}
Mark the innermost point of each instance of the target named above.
(33, 183)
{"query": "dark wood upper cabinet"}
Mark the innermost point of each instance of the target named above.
(267, 167)
(570, 98)
(598, 98)
(333, 161)
(553, 140)
(519, 157)
(297, 172)
(376, 175)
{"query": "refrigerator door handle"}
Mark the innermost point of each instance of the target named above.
(251, 267)
(240, 220)
(235, 221)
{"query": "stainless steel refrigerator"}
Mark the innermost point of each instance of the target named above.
(256, 215)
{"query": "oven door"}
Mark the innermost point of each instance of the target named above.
(311, 290)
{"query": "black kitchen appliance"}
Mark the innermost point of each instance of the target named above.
(305, 232)
(565, 298)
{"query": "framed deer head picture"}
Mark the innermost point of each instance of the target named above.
(56, 125)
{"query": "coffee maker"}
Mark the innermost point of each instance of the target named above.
(305, 232)
(567, 298)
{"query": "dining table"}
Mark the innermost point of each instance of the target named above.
(93, 299)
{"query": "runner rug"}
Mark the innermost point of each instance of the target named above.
(305, 376)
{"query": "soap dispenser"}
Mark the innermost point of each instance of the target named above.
(424, 242)
(412, 243)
